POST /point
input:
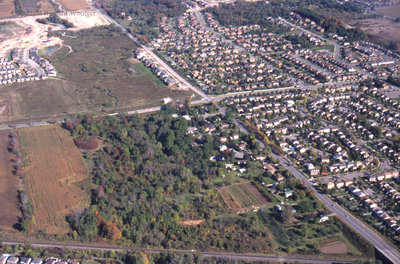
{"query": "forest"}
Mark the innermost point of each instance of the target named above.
(246, 13)
(149, 176)
(145, 15)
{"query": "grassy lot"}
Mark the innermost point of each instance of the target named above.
(37, 99)
(97, 75)
(103, 75)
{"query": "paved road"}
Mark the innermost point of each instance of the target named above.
(385, 248)
(206, 254)
(332, 42)
(31, 63)
(164, 65)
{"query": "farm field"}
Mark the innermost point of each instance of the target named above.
(54, 165)
(393, 11)
(10, 211)
(101, 74)
(71, 5)
(34, 7)
(338, 247)
(382, 29)
(242, 196)
(6, 8)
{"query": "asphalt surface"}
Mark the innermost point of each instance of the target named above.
(31, 63)
(384, 247)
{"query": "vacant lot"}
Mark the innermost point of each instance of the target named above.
(381, 29)
(242, 196)
(10, 211)
(6, 8)
(34, 7)
(71, 5)
(54, 164)
(393, 11)
(101, 73)
(43, 99)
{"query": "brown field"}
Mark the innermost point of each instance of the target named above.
(380, 29)
(242, 197)
(71, 5)
(43, 99)
(393, 11)
(35, 7)
(54, 164)
(338, 247)
(9, 209)
(6, 8)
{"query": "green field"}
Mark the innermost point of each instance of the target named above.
(98, 64)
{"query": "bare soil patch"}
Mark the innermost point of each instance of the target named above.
(393, 11)
(9, 206)
(242, 197)
(72, 5)
(338, 247)
(192, 222)
(54, 164)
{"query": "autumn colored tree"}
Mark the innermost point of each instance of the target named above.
(89, 143)
(111, 231)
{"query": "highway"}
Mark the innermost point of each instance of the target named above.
(380, 244)
(205, 254)
(384, 247)
(391, 253)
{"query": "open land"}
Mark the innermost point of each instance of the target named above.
(334, 248)
(393, 11)
(34, 7)
(103, 74)
(71, 5)
(95, 72)
(83, 20)
(6, 8)
(10, 211)
(54, 164)
(381, 29)
(242, 196)
(36, 99)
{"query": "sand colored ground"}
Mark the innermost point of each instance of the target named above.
(54, 164)
(9, 206)
(34, 34)
(192, 222)
(31, 34)
(85, 19)
(6, 8)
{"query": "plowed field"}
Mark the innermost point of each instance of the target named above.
(71, 5)
(54, 164)
(242, 197)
